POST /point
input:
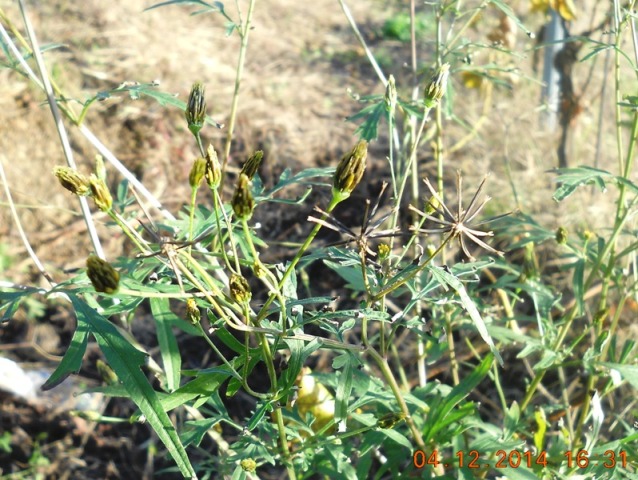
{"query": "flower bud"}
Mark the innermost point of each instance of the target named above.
(192, 312)
(100, 169)
(72, 180)
(197, 172)
(350, 171)
(213, 168)
(106, 372)
(100, 193)
(196, 109)
(561, 235)
(383, 251)
(102, 275)
(252, 164)
(248, 465)
(391, 95)
(435, 90)
(239, 289)
(242, 200)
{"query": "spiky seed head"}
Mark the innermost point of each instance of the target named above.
(242, 200)
(103, 276)
(350, 171)
(391, 95)
(198, 170)
(196, 109)
(100, 193)
(561, 235)
(239, 289)
(192, 312)
(437, 86)
(252, 164)
(213, 168)
(248, 465)
(72, 180)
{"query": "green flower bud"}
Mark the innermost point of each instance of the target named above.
(561, 235)
(72, 180)
(196, 109)
(213, 168)
(389, 420)
(192, 312)
(435, 90)
(108, 375)
(252, 164)
(248, 465)
(350, 171)
(239, 289)
(197, 172)
(391, 95)
(102, 275)
(100, 193)
(242, 200)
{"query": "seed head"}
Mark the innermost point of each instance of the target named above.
(350, 171)
(242, 200)
(435, 90)
(100, 193)
(239, 289)
(197, 172)
(213, 168)
(196, 109)
(72, 180)
(102, 275)
(252, 164)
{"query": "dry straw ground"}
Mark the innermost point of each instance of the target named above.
(302, 60)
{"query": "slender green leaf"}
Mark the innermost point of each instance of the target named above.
(441, 409)
(72, 360)
(470, 307)
(344, 388)
(572, 178)
(165, 319)
(126, 362)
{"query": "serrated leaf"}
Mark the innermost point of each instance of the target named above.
(126, 361)
(72, 360)
(572, 178)
(369, 129)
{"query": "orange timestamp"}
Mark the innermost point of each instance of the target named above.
(515, 459)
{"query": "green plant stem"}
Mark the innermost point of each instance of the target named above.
(219, 206)
(334, 201)
(191, 217)
(621, 217)
(412, 274)
(243, 32)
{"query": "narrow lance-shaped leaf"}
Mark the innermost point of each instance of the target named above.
(126, 362)
(469, 306)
